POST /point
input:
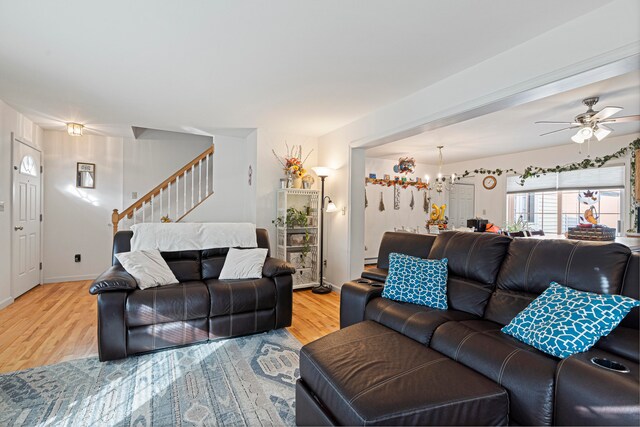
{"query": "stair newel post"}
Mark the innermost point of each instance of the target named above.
(115, 219)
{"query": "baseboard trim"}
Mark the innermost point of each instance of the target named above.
(6, 302)
(59, 279)
(334, 288)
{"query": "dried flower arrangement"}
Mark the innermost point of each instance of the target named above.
(292, 162)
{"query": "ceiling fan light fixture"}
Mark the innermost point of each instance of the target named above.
(577, 138)
(592, 123)
(601, 132)
(586, 132)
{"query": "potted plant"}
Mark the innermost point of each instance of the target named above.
(296, 218)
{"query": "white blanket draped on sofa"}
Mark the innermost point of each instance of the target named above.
(183, 236)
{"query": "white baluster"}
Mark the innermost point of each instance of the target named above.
(134, 216)
(206, 188)
(161, 194)
(177, 196)
(143, 216)
(169, 200)
(193, 176)
(152, 202)
(200, 181)
(211, 166)
(184, 195)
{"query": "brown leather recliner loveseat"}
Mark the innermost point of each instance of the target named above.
(199, 308)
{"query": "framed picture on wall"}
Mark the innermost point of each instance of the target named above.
(86, 175)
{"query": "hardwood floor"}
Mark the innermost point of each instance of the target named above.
(57, 322)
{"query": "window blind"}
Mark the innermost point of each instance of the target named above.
(548, 182)
(604, 177)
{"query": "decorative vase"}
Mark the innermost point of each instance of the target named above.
(297, 181)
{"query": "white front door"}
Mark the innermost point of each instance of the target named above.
(461, 204)
(26, 218)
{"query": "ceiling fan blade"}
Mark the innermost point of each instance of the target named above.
(605, 113)
(622, 119)
(556, 123)
(559, 130)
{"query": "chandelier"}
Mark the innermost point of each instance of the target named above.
(444, 182)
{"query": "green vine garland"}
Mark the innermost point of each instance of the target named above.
(536, 171)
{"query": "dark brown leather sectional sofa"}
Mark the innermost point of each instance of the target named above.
(396, 363)
(199, 308)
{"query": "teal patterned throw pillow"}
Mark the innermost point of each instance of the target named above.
(417, 280)
(563, 321)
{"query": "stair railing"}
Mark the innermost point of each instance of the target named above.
(174, 198)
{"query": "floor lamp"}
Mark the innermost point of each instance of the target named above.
(323, 173)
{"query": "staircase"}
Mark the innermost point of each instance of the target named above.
(174, 198)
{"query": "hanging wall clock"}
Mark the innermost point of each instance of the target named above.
(489, 182)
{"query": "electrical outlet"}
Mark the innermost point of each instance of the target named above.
(77, 258)
(1, 206)
(484, 211)
(134, 195)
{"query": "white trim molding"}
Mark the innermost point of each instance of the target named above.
(6, 302)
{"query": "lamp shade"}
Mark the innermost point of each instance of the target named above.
(601, 131)
(331, 207)
(322, 171)
(577, 138)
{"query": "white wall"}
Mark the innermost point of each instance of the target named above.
(10, 121)
(377, 222)
(543, 60)
(77, 220)
(154, 156)
(232, 198)
(491, 204)
(268, 171)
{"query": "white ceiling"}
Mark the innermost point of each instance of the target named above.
(513, 130)
(299, 66)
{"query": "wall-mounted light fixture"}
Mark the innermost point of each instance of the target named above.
(331, 207)
(75, 129)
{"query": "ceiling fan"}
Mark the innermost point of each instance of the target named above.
(591, 122)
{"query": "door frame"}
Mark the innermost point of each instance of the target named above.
(19, 140)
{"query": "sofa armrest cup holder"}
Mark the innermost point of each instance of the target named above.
(369, 282)
(610, 365)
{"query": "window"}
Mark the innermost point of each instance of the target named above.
(552, 202)
(28, 166)
(555, 211)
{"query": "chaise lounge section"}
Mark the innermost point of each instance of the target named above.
(199, 308)
(401, 363)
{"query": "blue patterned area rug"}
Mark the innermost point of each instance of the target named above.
(235, 382)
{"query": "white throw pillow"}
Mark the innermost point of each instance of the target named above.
(147, 267)
(244, 264)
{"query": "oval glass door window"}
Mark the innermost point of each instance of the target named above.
(28, 166)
